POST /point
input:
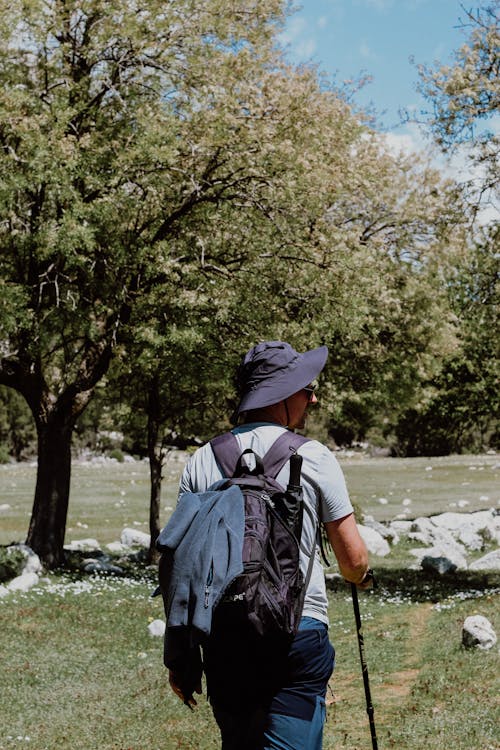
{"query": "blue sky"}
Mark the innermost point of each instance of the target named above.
(346, 37)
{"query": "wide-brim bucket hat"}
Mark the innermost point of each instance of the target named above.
(272, 371)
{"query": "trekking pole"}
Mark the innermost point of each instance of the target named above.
(364, 666)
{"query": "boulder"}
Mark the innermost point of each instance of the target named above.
(102, 567)
(32, 563)
(117, 548)
(157, 628)
(491, 561)
(384, 530)
(440, 565)
(375, 542)
(478, 632)
(471, 529)
(82, 545)
(24, 582)
(400, 526)
(450, 552)
(135, 538)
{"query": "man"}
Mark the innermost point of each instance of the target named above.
(264, 697)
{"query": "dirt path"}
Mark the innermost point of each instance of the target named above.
(397, 684)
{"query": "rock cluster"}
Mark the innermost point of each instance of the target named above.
(445, 541)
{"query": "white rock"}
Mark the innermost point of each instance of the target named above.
(157, 628)
(4, 591)
(384, 530)
(472, 529)
(117, 547)
(470, 539)
(33, 564)
(401, 526)
(24, 582)
(426, 531)
(82, 545)
(478, 631)
(135, 538)
(375, 542)
(4, 506)
(32, 561)
(491, 561)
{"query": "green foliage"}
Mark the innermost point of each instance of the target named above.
(462, 410)
(465, 98)
(11, 563)
(172, 192)
(17, 430)
(117, 454)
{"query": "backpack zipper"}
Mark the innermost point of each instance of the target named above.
(208, 584)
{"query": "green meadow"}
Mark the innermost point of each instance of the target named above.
(80, 669)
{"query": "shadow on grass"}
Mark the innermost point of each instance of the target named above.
(426, 586)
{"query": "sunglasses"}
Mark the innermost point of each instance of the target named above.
(310, 390)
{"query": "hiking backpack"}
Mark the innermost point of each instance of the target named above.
(270, 591)
(229, 566)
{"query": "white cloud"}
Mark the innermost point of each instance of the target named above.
(410, 141)
(298, 38)
(295, 28)
(457, 167)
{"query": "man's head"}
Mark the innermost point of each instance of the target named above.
(274, 377)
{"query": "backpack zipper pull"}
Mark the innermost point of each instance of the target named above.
(208, 584)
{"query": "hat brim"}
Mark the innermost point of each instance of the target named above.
(274, 389)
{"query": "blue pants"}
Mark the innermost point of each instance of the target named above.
(292, 718)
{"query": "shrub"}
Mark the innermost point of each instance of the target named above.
(117, 454)
(11, 563)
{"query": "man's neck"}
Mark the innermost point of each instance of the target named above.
(272, 414)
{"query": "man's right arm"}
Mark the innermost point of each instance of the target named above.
(349, 548)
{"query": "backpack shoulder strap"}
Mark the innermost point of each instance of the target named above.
(227, 451)
(280, 452)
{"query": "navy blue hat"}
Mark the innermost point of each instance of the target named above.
(273, 371)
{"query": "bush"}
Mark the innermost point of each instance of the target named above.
(4, 455)
(117, 454)
(11, 563)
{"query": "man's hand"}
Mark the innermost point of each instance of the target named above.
(174, 684)
(368, 581)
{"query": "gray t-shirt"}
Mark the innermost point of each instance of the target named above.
(324, 489)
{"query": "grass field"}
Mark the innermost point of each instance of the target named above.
(107, 497)
(80, 670)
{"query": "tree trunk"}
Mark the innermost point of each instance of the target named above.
(155, 455)
(50, 507)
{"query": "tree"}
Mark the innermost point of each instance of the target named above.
(162, 169)
(466, 95)
(111, 135)
(461, 408)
